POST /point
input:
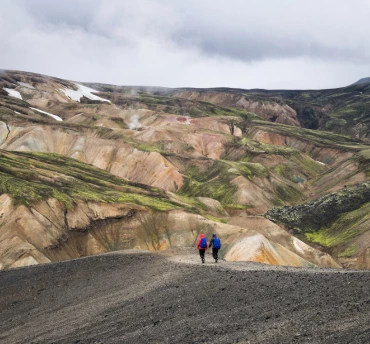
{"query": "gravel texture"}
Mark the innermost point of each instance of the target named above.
(173, 298)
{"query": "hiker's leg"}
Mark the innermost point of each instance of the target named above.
(214, 253)
(201, 253)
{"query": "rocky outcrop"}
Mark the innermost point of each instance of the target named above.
(321, 212)
(338, 222)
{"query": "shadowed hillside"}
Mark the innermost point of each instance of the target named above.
(142, 298)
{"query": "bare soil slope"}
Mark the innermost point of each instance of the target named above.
(151, 298)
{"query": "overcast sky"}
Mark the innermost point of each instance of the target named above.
(285, 44)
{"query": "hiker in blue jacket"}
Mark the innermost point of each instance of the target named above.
(215, 244)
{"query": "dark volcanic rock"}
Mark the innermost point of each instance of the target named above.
(321, 212)
(146, 298)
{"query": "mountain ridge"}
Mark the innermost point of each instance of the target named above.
(362, 81)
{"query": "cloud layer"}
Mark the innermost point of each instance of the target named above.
(247, 44)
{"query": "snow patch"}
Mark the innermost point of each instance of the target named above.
(321, 163)
(25, 84)
(13, 93)
(81, 92)
(134, 122)
(49, 114)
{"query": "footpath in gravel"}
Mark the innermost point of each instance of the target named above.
(141, 297)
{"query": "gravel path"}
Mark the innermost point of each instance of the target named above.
(168, 298)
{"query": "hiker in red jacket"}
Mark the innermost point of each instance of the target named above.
(202, 246)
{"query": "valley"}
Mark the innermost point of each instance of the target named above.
(93, 168)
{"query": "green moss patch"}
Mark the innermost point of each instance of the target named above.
(32, 177)
(322, 138)
(215, 181)
(347, 227)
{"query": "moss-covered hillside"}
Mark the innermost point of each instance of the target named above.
(32, 177)
(338, 222)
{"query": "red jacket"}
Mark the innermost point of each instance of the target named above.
(198, 244)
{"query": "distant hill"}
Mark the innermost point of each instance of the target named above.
(362, 81)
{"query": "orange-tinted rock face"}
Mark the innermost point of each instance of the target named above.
(49, 232)
(258, 249)
(269, 138)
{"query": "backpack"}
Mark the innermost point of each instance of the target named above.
(203, 243)
(216, 243)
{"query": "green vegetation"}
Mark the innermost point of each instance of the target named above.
(186, 107)
(192, 201)
(215, 182)
(299, 169)
(350, 251)
(32, 177)
(321, 213)
(333, 221)
(286, 192)
(151, 147)
(337, 110)
(346, 227)
(260, 147)
(321, 138)
(119, 121)
(363, 158)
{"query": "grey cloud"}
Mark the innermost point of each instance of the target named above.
(257, 30)
(284, 44)
(244, 30)
(66, 12)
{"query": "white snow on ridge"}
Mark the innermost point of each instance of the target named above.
(13, 93)
(25, 84)
(321, 163)
(82, 91)
(47, 113)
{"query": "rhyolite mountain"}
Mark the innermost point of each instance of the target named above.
(85, 168)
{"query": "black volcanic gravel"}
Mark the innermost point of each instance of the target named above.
(147, 298)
